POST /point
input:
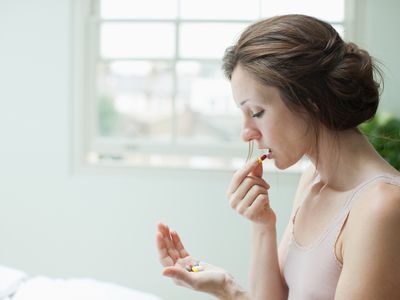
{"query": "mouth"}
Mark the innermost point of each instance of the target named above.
(269, 153)
(266, 151)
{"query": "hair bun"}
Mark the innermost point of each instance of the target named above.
(351, 48)
(353, 83)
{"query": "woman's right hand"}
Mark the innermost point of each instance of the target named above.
(248, 194)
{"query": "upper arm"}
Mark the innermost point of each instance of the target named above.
(371, 247)
(305, 179)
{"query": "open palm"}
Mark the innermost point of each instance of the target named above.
(174, 258)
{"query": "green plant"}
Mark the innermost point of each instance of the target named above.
(383, 131)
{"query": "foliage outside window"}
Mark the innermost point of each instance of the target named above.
(383, 132)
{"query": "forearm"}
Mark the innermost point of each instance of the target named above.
(265, 277)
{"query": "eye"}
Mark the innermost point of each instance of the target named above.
(258, 114)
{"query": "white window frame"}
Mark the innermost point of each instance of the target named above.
(223, 157)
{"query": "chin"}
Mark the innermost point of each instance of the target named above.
(283, 165)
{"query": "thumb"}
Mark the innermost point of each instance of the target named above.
(258, 169)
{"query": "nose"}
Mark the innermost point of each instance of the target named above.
(248, 133)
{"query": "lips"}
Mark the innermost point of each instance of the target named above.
(267, 151)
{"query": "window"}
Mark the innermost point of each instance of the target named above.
(148, 84)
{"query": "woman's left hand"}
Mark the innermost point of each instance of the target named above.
(175, 259)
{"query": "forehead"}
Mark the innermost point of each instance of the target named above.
(246, 87)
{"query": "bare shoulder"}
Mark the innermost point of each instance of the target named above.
(371, 264)
(379, 203)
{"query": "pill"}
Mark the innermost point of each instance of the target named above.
(200, 268)
(261, 158)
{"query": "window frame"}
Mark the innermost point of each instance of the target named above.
(118, 151)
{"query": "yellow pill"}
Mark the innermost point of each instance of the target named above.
(195, 269)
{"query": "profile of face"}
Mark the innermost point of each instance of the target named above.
(268, 121)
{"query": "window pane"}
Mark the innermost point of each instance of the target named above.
(206, 112)
(135, 100)
(149, 9)
(207, 40)
(122, 40)
(340, 30)
(328, 10)
(221, 9)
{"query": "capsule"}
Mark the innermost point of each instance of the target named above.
(194, 269)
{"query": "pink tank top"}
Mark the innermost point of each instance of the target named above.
(312, 272)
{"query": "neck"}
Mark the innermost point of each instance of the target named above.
(344, 159)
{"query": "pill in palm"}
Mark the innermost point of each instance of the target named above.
(194, 268)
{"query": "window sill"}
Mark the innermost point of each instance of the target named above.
(122, 164)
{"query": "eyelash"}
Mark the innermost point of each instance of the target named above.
(258, 114)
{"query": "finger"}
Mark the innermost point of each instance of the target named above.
(241, 174)
(258, 205)
(246, 187)
(163, 228)
(169, 244)
(165, 232)
(164, 257)
(259, 181)
(250, 197)
(178, 245)
(162, 248)
(257, 171)
(247, 183)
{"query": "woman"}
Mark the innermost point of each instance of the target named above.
(303, 92)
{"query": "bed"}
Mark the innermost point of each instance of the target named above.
(17, 285)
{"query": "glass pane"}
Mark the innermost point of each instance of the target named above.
(206, 111)
(221, 9)
(328, 10)
(150, 40)
(135, 100)
(340, 30)
(149, 9)
(207, 40)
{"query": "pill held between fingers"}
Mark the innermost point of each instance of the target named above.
(261, 158)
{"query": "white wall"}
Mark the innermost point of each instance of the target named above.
(60, 224)
(378, 32)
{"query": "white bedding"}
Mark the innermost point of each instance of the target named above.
(15, 285)
(10, 279)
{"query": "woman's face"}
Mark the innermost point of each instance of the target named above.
(268, 121)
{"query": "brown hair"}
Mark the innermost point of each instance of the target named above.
(315, 71)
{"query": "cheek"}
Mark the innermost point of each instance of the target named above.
(290, 137)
